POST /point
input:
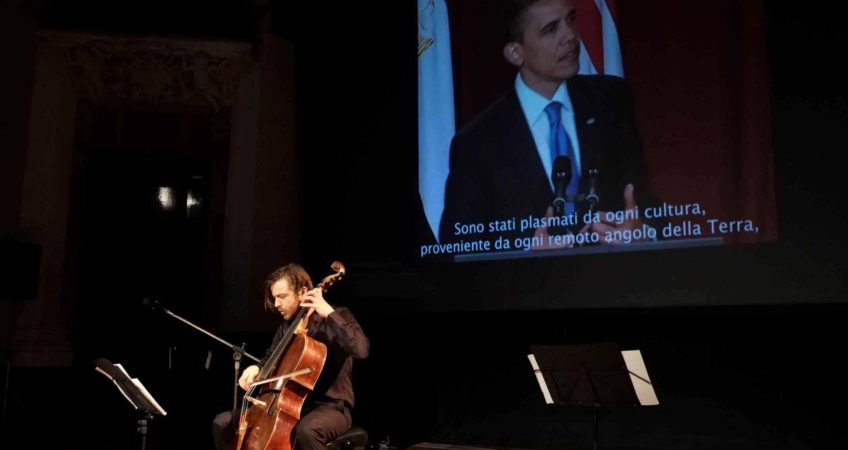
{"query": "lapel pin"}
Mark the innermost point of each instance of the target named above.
(590, 121)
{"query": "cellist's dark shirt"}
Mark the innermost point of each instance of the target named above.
(345, 340)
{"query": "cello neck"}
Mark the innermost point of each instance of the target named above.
(281, 347)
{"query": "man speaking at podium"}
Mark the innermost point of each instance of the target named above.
(501, 163)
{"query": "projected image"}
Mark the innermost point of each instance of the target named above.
(563, 127)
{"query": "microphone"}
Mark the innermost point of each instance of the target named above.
(560, 176)
(592, 198)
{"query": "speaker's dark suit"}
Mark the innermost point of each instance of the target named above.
(496, 172)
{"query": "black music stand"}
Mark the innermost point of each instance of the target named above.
(593, 375)
(134, 392)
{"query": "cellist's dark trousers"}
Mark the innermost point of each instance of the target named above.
(322, 423)
(224, 428)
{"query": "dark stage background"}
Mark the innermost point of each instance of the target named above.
(727, 377)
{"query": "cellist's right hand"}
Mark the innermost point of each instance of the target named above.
(248, 376)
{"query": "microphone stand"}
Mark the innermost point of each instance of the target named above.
(238, 352)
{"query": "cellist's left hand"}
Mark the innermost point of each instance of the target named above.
(315, 299)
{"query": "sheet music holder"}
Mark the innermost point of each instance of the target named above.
(592, 375)
(134, 392)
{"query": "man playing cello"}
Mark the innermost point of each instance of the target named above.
(327, 411)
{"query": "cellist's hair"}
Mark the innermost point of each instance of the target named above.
(294, 274)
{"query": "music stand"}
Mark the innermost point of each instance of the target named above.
(134, 392)
(592, 375)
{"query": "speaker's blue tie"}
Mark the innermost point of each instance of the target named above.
(561, 146)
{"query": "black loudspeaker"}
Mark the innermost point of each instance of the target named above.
(19, 267)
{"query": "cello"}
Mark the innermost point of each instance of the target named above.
(272, 406)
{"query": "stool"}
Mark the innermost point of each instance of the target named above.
(353, 439)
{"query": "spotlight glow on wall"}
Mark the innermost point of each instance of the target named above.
(166, 197)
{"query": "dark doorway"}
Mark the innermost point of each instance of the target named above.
(152, 194)
(145, 236)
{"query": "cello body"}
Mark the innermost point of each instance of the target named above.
(272, 425)
(269, 423)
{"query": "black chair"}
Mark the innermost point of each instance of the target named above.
(353, 439)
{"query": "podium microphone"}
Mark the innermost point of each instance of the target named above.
(560, 176)
(592, 198)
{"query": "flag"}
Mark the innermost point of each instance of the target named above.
(436, 122)
(600, 52)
